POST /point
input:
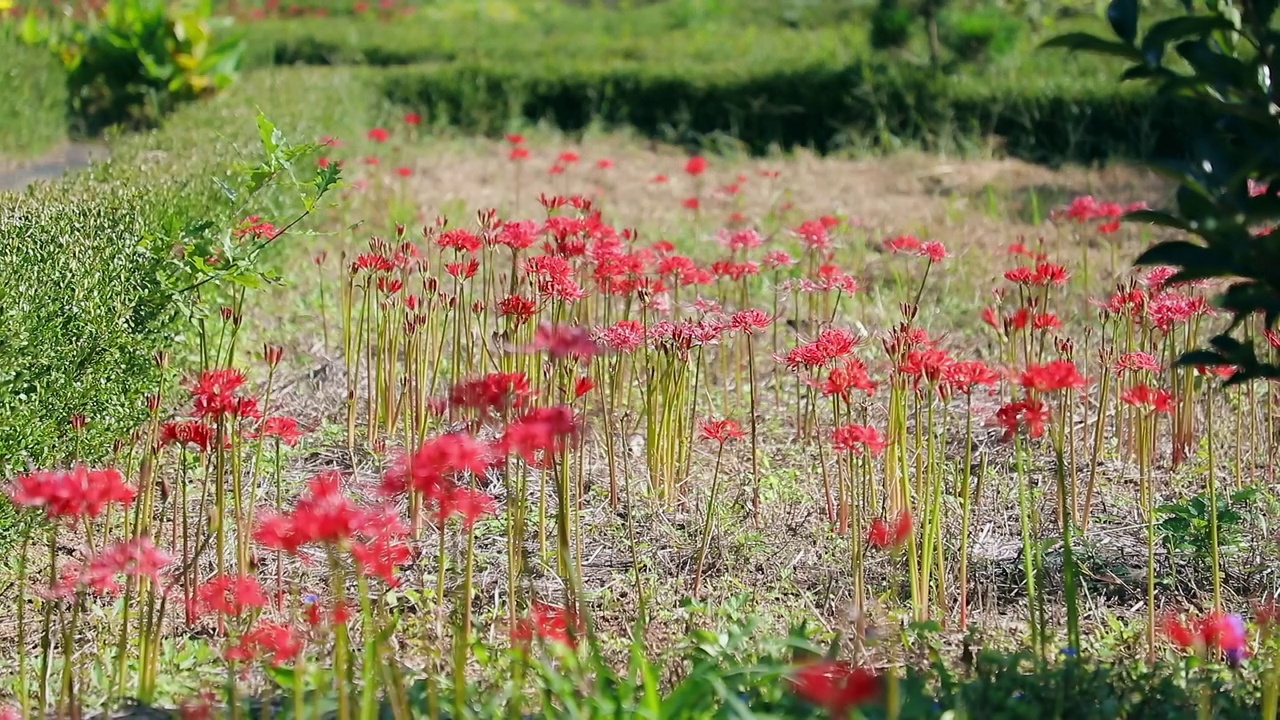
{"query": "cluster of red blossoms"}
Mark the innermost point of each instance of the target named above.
(1087, 208)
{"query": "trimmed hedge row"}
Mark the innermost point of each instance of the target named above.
(33, 100)
(827, 107)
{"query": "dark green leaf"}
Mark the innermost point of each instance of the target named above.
(1123, 16)
(1084, 42)
(1178, 28)
(1157, 217)
(1177, 253)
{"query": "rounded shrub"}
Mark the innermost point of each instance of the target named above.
(982, 33)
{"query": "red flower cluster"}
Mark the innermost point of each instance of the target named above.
(1218, 630)
(545, 623)
(856, 438)
(1149, 398)
(1030, 415)
(215, 395)
(882, 534)
(721, 431)
(231, 595)
(835, 686)
(75, 493)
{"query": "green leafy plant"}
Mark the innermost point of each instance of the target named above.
(1186, 527)
(1224, 61)
(890, 25)
(137, 59)
(986, 32)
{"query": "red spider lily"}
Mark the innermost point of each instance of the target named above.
(583, 386)
(964, 376)
(1144, 396)
(432, 469)
(604, 163)
(814, 235)
(463, 270)
(1137, 362)
(546, 430)
(493, 393)
(130, 558)
(517, 307)
(569, 157)
(518, 234)
(1051, 376)
(1029, 414)
(284, 429)
(935, 251)
(837, 687)
(883, 535)
(380, 556)
(518, 153)
(903, 244)
(846, 377)
(187, 432)
(215, 393)
(926, 363)
(1045, 321)
(659, 179)
(412, 118)
(75, 493)
(778, 259)
(404, 171)
(276, 640)
(322, 516)
(379, 135)
(690, 203)
(468, 503)
(696, 165)
(832, 344)
(461, 240)
(856, 438)
(1218, 630)
(563, 341)
(272, 355)
(720, 431)
(515, 138)
(231, 595)
(623, 336)
(546, 623)
(744, 239)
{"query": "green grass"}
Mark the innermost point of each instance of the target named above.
(33, 100)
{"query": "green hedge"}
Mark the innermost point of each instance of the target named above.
(33, 99)
(823, 106)
(83, 306)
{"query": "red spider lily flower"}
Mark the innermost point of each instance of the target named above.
(379, 135)
(380, 556)
(1137, 362)
(284, 429)
(832, 344)
(750, 321)
(215, 393)
(1267, 614)
(1144, 396)
(604, 163)
(515, 138)
(79, 492)
(569, 157)
(814, 234)
(1030, 415)
(496, 393)
(463, 270)
(323, 515)
(583, 386)
(563, 341)
(1045, 321)
(935, 251)
(720, 431)
(1051, 376)
(432, 469)
(460, 239)
(131, 558)
(778, 259)
(690, 203)
(545, 623)
(518, 153)
(623, 336)
(849, 375)
(272, 354)
(9, 713)
(231, 595)
(520, 308)
(903, 244)
(187, 432)
(546, 430)
(856, 438)
(412, 118)
(883, 535)
(1224, 632)
(991, 317)
(659, 179)
(468, 503)
(404, 171)
(696, 165)
(964, 376)
(837, 687)
(518, 234)
(267, 639)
